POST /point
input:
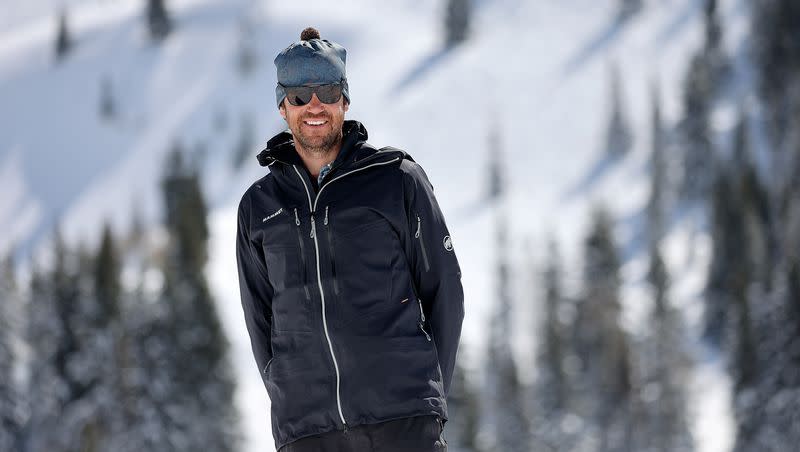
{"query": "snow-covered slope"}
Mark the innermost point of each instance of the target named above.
(533, 73)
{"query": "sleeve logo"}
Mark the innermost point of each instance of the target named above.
(448, 244)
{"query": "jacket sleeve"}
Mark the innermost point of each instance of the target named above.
(255, 290)
(436, 272)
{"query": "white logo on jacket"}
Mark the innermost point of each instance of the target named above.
(448, 244)
(272, 215)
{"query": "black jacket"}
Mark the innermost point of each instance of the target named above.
(351, 293)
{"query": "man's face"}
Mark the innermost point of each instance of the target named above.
(316, 127)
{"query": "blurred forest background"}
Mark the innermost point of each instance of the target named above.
(117, 343)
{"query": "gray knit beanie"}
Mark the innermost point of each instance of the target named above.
(311, 61)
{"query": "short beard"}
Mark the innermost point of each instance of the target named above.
(325, 147)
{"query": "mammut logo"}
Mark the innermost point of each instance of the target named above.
(272, 215)
(448, 244)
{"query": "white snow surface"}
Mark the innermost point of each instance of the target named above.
(535, 73)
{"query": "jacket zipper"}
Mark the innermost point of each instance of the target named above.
(418, 235)
(302, 253)
(312, 207)
(333, 255)
(422, 320)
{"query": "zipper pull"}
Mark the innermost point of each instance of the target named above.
(326, 215)
(427, 336)
(422, 320)
(418, 227)
(296, 217)
(313, 227)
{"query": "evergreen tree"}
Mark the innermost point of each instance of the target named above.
(10, 393)
(698, 158)
(664, 367)
(458, 15)
(707, 72)
(603, 385)
(550, 402)
(244, 147)
(63, 37)
(108, 109)
(246, 56)
(619, 138)
(766, 398)
(628, 8)
(552, 353)
(496, 182)
(159, 23)
(147, 398)
(510, 426)
(740, 240)
(57, 380)
(463, 405)
(713, 29)
(199, 404)
(724, 246)
(776, 48)
(98, 336)
(658, 177)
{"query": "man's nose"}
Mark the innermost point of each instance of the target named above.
(315, 105)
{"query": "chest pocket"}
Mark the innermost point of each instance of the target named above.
(364, 253)
(285, 255)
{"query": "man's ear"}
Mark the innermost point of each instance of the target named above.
(346, 106)
(282, 110)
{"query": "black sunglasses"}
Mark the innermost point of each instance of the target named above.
(301, 95)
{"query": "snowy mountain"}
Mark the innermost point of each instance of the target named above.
(535, 75)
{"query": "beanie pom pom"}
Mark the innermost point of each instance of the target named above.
(309, 33)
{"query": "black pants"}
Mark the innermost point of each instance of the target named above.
(412, 434)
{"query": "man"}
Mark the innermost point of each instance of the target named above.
(350, 286)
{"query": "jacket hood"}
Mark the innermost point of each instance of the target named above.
(354, 151)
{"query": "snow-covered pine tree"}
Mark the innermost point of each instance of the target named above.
(619, 137)
(776, 48)
(740, 237)
(463, 406)
(496, 182)
(549, 402)
(713, 50)
(602, 388)
(146, 384)
(551, 353)
(663, 368)
(457, 19)
(766, 357)
(99, 420)
(200, 408)
(57, 382)
(246, 55)
(508, 420)
(244, 152)
(698, 152)
(658, 173)
(11, 399)
(63, 42)
(706, 73)
(159, 23)
(628, 8)
(108, 107)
